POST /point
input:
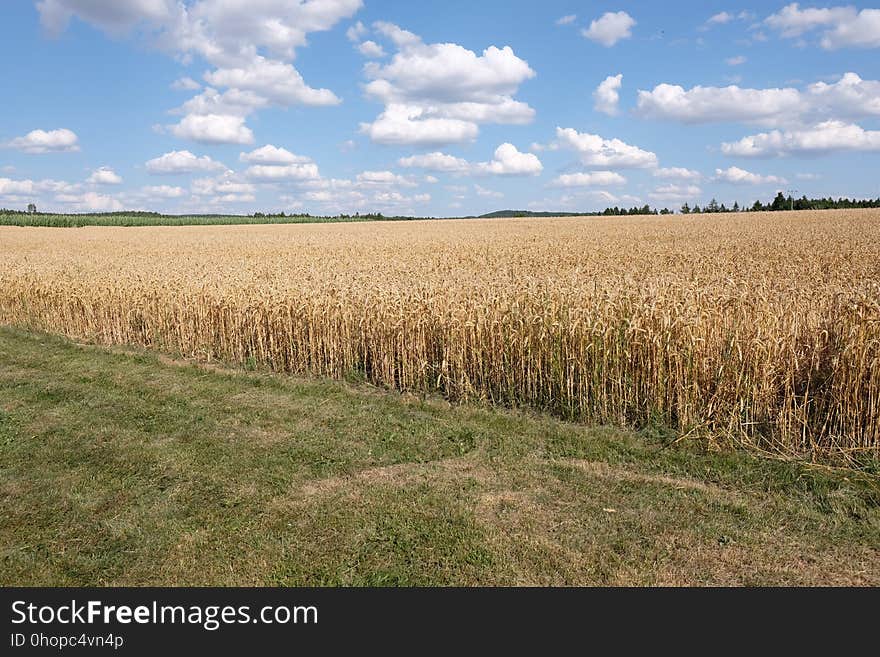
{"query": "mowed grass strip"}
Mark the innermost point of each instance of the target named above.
(125, 468)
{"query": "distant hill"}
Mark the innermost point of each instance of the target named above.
(499, 214)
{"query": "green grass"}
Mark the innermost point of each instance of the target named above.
(156, 219)
(128, 468)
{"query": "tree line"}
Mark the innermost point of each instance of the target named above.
(783, 202)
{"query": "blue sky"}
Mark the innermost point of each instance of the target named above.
(333, 106)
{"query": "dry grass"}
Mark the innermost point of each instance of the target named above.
(760, 328)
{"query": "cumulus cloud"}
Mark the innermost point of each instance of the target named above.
(356, 32)
(277, 82)
(508, 161)
(677, 173)
(90, 202)
(596, 151)
(104, 176)
(213, 129)
(371, 49)
(594, 179)
(716, 104)
(176, 162)
(162, 191)
(606, 96)
(226, 188)
(280, 172)
(185, 84)
(823, 138)
(440, 93)
(737, 176)
(720, 18)
(675, 193)
(270, 154)
(46, 141)
(10, 187)
(725, 17)
(610, 28)
(849, 97)
(566, 20)
(384, 178)
(435, 161)
(113, 17)
(487, 193)
(841, 27)
(250, 45)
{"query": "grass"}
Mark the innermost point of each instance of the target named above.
(129, 219)
(125, 467)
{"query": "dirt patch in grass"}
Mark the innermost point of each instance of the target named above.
(399, 475)
(619, 473)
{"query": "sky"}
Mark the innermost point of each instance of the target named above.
(433, 109)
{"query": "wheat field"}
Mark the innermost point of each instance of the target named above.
(763, 329)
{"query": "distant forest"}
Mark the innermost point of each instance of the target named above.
(32, 217)
(778, 204)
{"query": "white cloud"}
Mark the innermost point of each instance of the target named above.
(807, 176)
(250, 45)
(606, 96)
(610, 28)
(487, 193)
(373, 178)
(226, 185)
(90, 202)
(435, 161)
(371, 49)
(717, 104)
(113, 17)
(234, 102)
(18, 190)
(46, 141)
(841, 27)
(270, 154)
(398, 36)
(431, 180)
(176, 162)
(279, 172)
(566, 20)
(675, 193)
(185, 84)
(104, 176)
(739, 60)
(407, 125)
(356, 32)
(508, 161)
(596, 151)
(825, 137)
(278, 82)
(677, 173)
(850, 96)
(594, 179)
(725, 17)
(163, 191)
(440, 93)
(737, 176)
(213, 129)
(720, 18)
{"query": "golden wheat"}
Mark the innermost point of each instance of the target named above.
(762, 327)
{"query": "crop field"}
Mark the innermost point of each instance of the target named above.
(760, 330)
